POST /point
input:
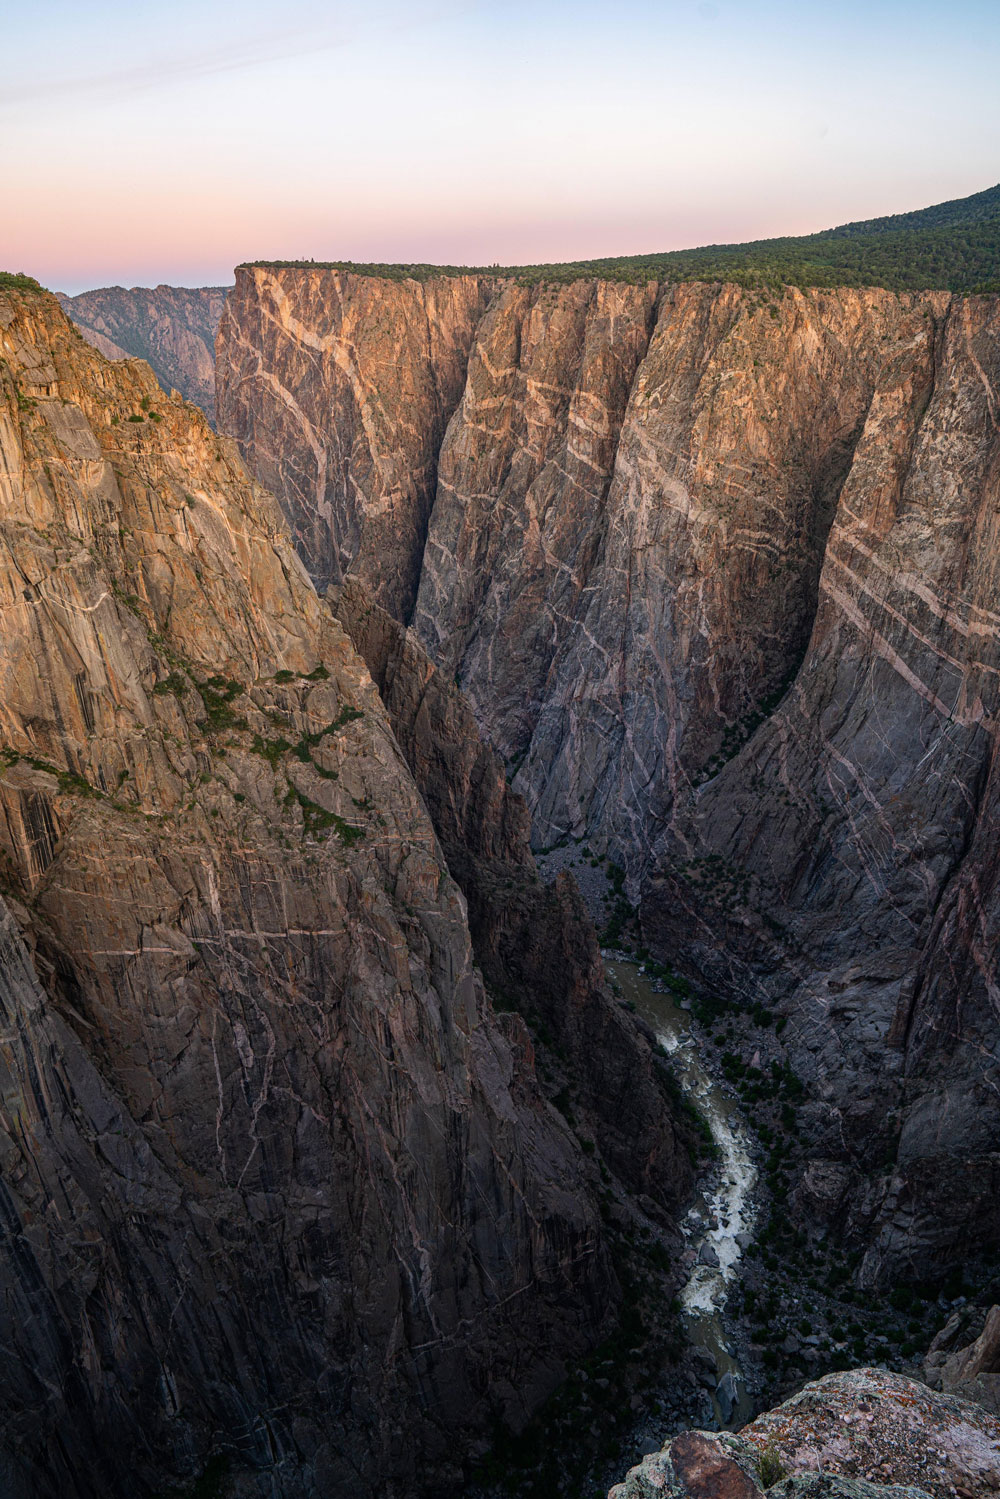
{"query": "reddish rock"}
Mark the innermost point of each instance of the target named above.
(866, 1434)
(276, 1181)
(172, 327)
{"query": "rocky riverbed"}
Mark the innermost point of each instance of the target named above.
(719, 1223)
(784, 1305)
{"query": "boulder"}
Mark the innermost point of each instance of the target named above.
(974, 1372)
(866, 1434)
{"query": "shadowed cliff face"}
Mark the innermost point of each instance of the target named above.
(172, 327)
(717, 572)
(854, 840)
(535, 943)
(275, 1180)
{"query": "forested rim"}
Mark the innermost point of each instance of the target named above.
(949, 247)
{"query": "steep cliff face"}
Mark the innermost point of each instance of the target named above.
(678, 590)
(633, 498)
(535, 943)
(339, 388)
(275, 1181)
(522, 488)
(172, 327)
(854, 840)
(716, 570)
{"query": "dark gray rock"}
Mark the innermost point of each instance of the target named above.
(718, 574)
(276, 1182)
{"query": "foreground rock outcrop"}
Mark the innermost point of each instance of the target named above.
(172, 327)
(276, 1182)
(867, 1434)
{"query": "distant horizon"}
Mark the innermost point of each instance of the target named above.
(144, 150)
(152, 285)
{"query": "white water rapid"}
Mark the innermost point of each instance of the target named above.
(719, 1224)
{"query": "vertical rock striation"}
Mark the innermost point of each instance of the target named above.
(854, 839)
(338, 389)
(535, 943)
(716, 570)
(276, 1182)
(524, 472)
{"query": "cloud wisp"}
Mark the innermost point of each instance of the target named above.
(163, 71)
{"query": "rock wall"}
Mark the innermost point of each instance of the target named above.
(845, 862)
(172, 327)
(338, 388)
(634, 492)
(716, 570)
(534, 942)
(276, 1182)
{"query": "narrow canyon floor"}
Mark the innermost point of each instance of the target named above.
(767, 1296)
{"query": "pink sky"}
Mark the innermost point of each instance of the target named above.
(170, 148)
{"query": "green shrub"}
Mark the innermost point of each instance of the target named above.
(216, 695)
(176, 683)
(317, 819)
(770, 1467)
(18, 281)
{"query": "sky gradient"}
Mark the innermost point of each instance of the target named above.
(143, 144)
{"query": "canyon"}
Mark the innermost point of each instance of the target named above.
(686, 589)
(281, 1189)
(715, 569)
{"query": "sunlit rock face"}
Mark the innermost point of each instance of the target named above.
(172, 327)
(338, 388)
(717, 572)
(276, 1182)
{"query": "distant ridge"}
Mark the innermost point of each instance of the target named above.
(953, 246)
(172, 327)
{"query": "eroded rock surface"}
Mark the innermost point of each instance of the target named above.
(717, 571)
(845, 862)
(276, 1181)
(172, 327)
(535, 943)
(866, 1434)
(969, 1369)
(338, 389)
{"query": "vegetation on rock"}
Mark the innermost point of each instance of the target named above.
(952, 246)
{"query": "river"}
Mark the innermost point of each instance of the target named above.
(719, 1224)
